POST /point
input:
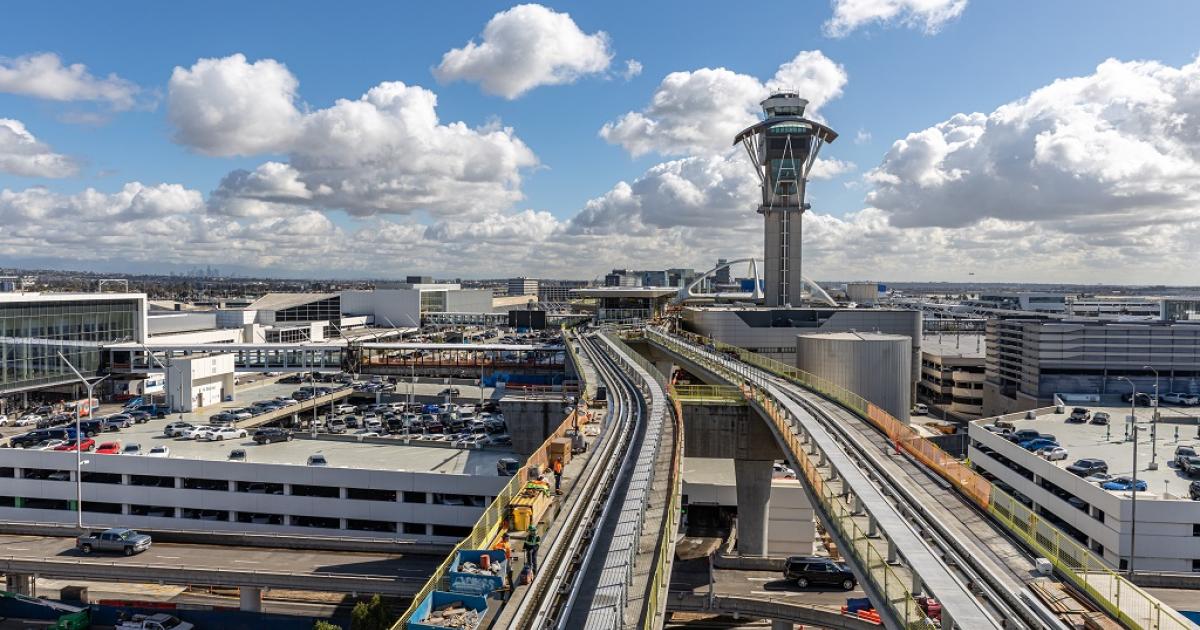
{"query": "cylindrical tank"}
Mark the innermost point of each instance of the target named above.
(862, 292)
(876, 366)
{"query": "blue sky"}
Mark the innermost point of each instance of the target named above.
(900, 79)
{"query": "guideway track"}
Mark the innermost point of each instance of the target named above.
(961, 604)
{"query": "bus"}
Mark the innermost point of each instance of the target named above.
(85, 409)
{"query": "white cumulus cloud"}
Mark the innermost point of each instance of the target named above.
(43, 75)
(228, 106)
(928, 15)
(384, 152)
(1114, 149)
(525, 47)
(633, 68)
(702, 110)
(22, 154)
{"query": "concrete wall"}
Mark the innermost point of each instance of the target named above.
(424, 513)
(530, 421)
(874, 366)
(400, 306)
(790, 516)
(199, 381)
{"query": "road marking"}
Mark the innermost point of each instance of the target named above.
(169, 557)
(17, 548)
(247, 561)
(762, 579)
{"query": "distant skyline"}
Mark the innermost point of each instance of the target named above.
(1017, 141)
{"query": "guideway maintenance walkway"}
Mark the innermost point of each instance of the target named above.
(851, 502)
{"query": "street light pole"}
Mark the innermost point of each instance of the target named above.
(1154, 422)
(1133, 487)
(90, 386)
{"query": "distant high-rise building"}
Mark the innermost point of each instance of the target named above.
(522, 286)
(419, 279)
(722, 274)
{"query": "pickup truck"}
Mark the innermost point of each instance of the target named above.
(118, 539)
(158, 621)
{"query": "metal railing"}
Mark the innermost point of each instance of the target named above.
(707, 394)
(840, 514)
(660, 577)
(1118, 596)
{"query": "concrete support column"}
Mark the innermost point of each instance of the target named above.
(893, 557)
(250, 598)
(916, 584)
(753, 479)
(872, 527)
(666, 367)
(780, 624)
(20, 583)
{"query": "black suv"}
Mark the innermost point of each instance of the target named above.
(33, 438)
(1194, 490)
(1088, 467)
(272, 434)
(816, 571)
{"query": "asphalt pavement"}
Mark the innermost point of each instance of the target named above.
(692, 576)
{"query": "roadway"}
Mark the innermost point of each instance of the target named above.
(216, 565)
(691, 576)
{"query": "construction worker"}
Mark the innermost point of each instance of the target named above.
(506, 547)
(532, 542)
(557, 466)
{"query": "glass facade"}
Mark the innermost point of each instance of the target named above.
(51, 327)
(328, 309)
(433, 302)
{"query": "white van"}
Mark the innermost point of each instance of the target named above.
(920, 409)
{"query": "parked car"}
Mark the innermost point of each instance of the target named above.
(344, 408)
(1190, 466)
(1088, 467)
(1124, 483)
(268, 435)
(317, 459)
(1175, 398)
(117, 422)
(175, 429)
(1023, 435)
(809, 571)
(160, 451)
(1100, 417)
(1037, 444)
(224, 417)
(109, 448)
(1183, 451)
(1098, 477)
(118, 539)
(1143, 399)
(449, 391)
(242, 414)
(507, 466)
(158, 410)
(1194, 490)
(196, 433)
(139, 417)
(157, 621)
(3, 420)
(1053, 453)
(286, 401)
(132, 449)
(223, 433)
(238, 455)
(27, 420)
(47, 445)
(1080, 415)
(86, 445)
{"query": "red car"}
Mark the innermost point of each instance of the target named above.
(86, 445)
(109, 448)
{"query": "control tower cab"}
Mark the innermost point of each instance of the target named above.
(783, 148)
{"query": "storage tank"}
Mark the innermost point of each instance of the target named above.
(862, 292)
(876, 366)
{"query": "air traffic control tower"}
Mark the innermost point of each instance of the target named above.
(783, 148)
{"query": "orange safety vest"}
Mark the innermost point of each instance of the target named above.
(558, 466)
(507, 548)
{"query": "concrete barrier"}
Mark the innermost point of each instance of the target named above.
(749, 607)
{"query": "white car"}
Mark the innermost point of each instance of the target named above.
(1181, 399)
(345, 409)
(159, 451)
(223, 433)
(286, 401)
(1053, 453)
(176, 429)
(3, 420)
(196, 433)
(47, 445)
(242, 415)
(366, 433)
(27, 420)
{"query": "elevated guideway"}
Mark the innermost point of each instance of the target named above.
(856, 507)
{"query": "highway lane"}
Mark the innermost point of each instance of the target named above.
(216, 557)
(691, 576)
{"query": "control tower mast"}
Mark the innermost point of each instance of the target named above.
(783, 148)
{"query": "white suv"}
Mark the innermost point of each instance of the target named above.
(345, 409)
